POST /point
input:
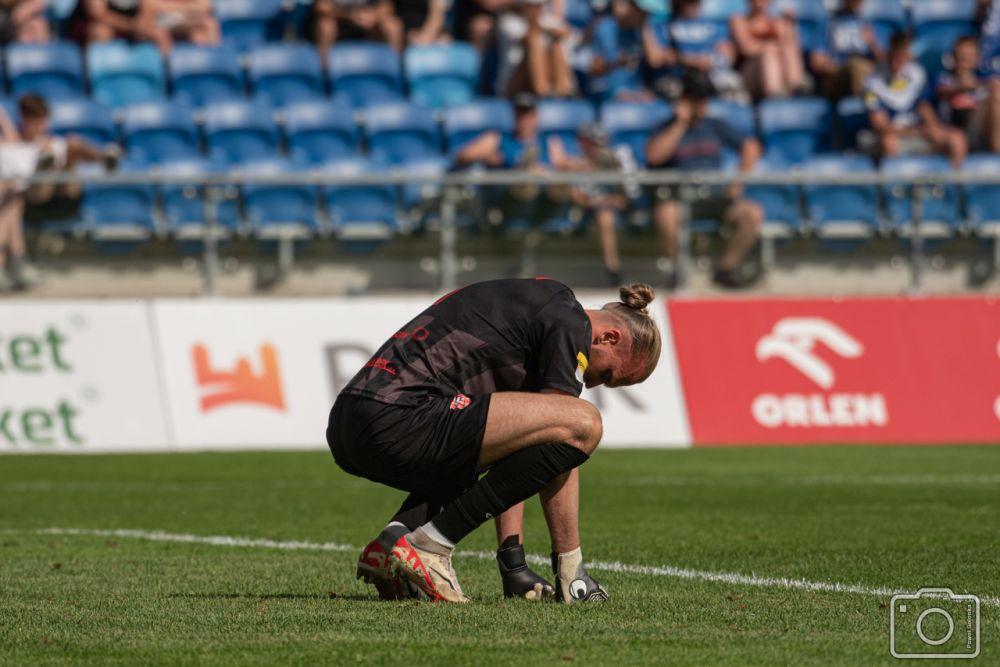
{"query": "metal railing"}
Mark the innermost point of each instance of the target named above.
(217, 187)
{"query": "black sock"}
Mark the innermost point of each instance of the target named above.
(415, 511)
(516, 478)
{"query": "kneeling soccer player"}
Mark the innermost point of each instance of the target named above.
(487, 379)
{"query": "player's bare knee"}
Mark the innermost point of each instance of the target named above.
(587, 428)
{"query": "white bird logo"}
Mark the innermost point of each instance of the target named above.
(794, 339)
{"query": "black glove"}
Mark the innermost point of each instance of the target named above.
(518, 579)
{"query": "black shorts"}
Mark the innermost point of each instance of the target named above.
(430, 449)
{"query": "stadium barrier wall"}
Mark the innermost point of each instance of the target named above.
(171, 375)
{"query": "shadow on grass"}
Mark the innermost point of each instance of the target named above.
(274, 596)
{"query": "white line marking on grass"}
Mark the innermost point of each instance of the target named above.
(613, 566)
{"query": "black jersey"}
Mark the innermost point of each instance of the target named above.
(498, 335)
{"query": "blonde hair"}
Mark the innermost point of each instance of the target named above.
(632, 312)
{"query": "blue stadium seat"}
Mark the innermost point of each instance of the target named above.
(399, 131)
(782, 216)
(442, 75)
(579, 13)
(423, 195)
(563, 119)
(184, 204)
(122, 74)
(85, 118)
(119, 213)
(811, 17)
(360, 213)
(936, 26)
(841, 211)
(852, 118)
(319, 131)
(887, 18)
(279, 210)
(719, 11)
(632, 123)
(245, 23)
(201, 75)
(157, 132)
(940, 208)
(466, 122)
(982, 202)
(362, 73)
(281, 74)
(794, 129)
(54, 71)
(240, 131)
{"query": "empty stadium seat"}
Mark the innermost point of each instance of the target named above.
(422, 195)
(240, 131)
(466, 122)
(841, 211)
(632, 123)
(122, 74)
(982, 202)
(398, 132)
(245, 23)
(719, 11)
(780, 203)
(53, 71)
(936, 26)
(319, 131)
(286, 210)
(85, 118)
(202, 75)
(886, 16)
(563, 119)
(363, 73)
(184, 204)
(579, 13)
(442, 75)
(281, 74)
(157, 132)
(119, 214)
(940, 206)
(811, 17)
(360, 213)
(794, 129)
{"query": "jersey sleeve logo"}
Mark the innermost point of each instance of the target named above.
(460, 402)
(581, 365)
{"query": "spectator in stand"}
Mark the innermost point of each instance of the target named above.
(15, 271)
(900, 112)
(689, 41)
(531, 44)
(693, 141)
(970, 101)
(769, 51)
(475, 21)
(617, 49)
(24, 21)
(988, 16)
(850, 53)
(162, 22)
(330, 21)
(423, 21)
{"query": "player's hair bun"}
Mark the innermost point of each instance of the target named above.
(637, 296)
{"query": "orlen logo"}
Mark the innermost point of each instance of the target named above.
(241, 384)
(794, 340)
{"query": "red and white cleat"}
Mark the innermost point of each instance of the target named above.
(374, 568)
(428, 570)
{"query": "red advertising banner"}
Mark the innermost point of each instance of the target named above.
(801, 371)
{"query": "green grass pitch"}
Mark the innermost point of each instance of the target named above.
(878, 519)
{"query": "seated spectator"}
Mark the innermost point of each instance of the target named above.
(692, 141)
(330, 21)
(532, 50)
(24, 21)
(617, 49)
(162, 22)
(523, 151)
(475, 21)
(968, 100)
(687, 41)
(56, 154)
(900, 112)
(423, 21)
(988, 16)
(15, 271)
(850, 53)
(769, 51)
